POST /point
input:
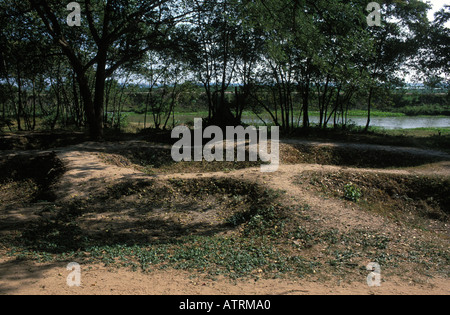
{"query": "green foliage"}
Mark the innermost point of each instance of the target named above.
(430, 110)
(352, 192)
(287, 56)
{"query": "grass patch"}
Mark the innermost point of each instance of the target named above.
(233, 257)
(426, 110)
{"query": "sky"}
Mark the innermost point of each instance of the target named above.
(437, 5)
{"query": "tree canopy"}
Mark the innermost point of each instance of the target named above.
(281, 56)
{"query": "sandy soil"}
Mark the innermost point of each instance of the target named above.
(23, 278)
(86, 171)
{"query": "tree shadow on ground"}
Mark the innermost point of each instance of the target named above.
(43, 169)
(142, 213)
(40, 140)
(17, 273)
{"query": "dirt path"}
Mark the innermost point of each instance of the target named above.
(22, 278)
(87, 173)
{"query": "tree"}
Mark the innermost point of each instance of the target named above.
(222, 48)
(433, 60)
(288, 30)
(26, 55)
(312, 46)
(395, 43)
(113, 34)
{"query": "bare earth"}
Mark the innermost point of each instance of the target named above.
(26, 278)
(86, 171)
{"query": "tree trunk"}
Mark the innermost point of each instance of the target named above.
(34, 105)
(305, 95)
(86, 96)
(369, 107)
(4, 110)
(19, 90)
(96, 126)
(76, 102)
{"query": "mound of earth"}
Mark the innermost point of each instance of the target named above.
(311, 227)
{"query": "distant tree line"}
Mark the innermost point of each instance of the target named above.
(280, 57)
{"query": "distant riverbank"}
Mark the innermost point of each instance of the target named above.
(386, 120)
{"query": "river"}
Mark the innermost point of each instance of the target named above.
(406, 122)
